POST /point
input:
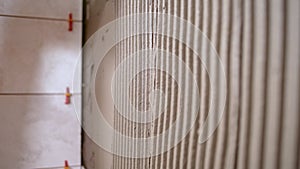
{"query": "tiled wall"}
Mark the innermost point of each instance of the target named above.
(38, 56)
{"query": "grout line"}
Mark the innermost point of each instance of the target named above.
(59, 167)
(38, 18)
(35, 94)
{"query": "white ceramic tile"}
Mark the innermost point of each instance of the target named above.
(61, 167)
(37, 55)
(38, 132)
(76, 168)
(42, 8)
(70, 168)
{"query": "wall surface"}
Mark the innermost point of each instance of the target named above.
(38, 56)
(98, 13)
(258, 44)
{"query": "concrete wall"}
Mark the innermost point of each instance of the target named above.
(258, 43)
(99, 13)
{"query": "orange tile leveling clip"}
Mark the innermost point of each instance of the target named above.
(70, 22)
(66, 165)
(68, 96)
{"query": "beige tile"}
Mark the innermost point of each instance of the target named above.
(70, 168)
(61, 167)
(38, 132)
(42, 8)
(37, 56)
(77, 168)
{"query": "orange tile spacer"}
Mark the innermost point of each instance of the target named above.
(70, 22)
(68, 96)
(66, 165)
